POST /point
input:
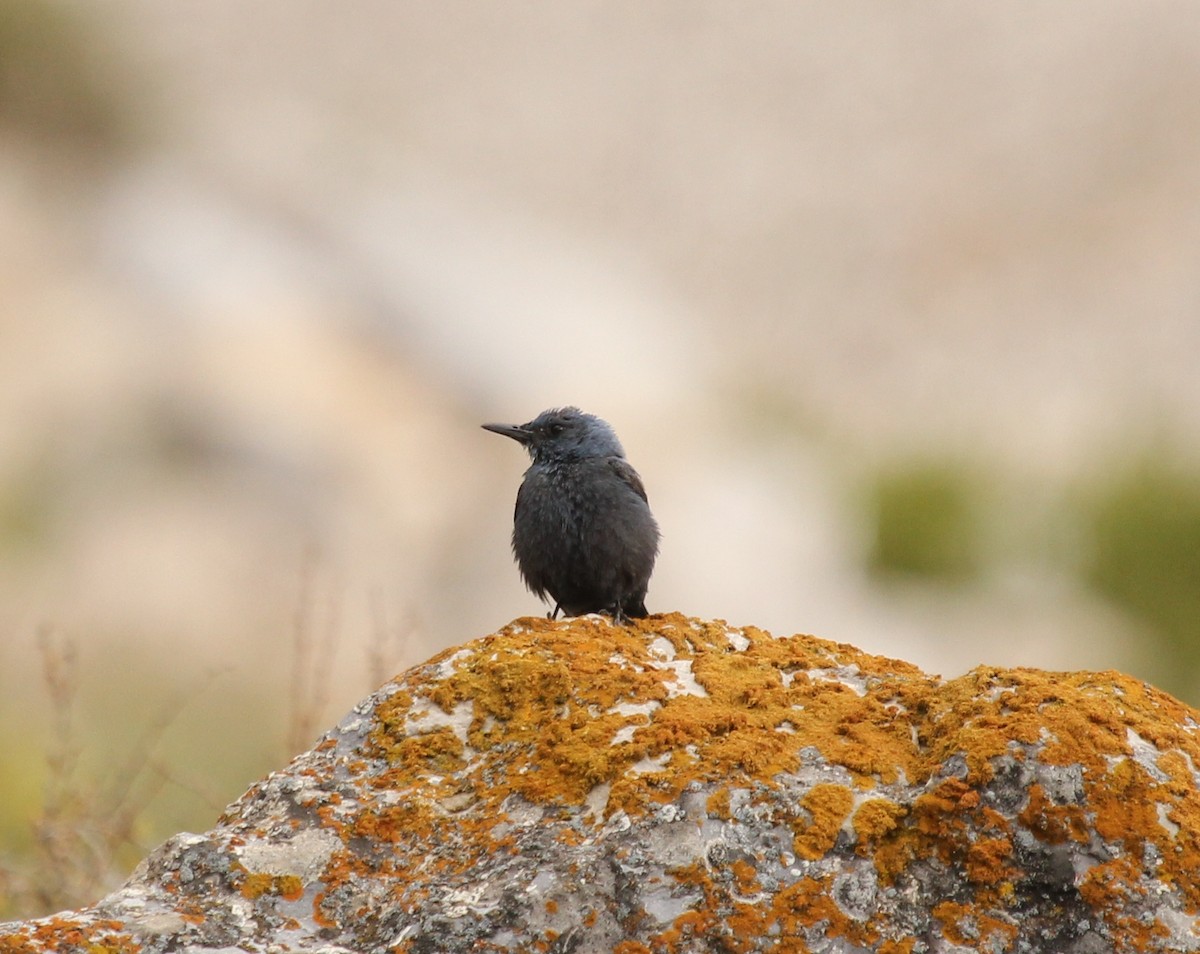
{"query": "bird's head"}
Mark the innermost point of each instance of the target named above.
(562, 433)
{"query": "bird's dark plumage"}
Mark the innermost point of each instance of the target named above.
(583, 534)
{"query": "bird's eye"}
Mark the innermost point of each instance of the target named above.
(555, 430)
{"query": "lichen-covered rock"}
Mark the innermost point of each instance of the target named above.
(677, 785)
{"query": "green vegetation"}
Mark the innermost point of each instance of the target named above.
(121, 752)
(926, 523)
(27, 503)
(1135, 542)
(1144, 556)
(56, 81)
(131, 748)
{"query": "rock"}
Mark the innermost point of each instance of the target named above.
(678, 785)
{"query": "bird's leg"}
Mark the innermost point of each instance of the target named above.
(554, 615)
(618, 614)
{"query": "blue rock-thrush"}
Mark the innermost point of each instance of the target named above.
(583, 534)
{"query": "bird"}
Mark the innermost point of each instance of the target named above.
(583, 534)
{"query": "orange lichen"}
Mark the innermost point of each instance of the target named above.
(60, 933)
(526, 699)
(873, 819)
(986, 861)
(827, 806)
(967, 925)
(319, 916)
(390, 823)
(745, 877)
(256, 884)
(718, 803)
(808, 902)
(1053, 824)
(438, 750)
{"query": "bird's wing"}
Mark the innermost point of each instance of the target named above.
(520, 495)
(630, 476)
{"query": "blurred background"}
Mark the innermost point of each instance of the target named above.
(895, 308)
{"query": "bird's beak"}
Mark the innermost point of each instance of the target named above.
(518, 432)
